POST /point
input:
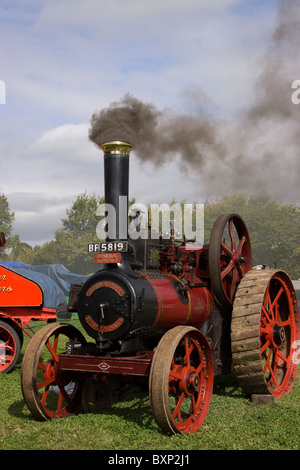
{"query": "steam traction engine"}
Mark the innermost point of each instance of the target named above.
(167, 314)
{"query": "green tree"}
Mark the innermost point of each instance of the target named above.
(81, 218)
(6, 221)
(45, 254)
(20, 250)
(274, 228)
(78, 229)
(6, 216)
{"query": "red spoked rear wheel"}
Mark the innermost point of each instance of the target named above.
(48, 391)
(229, 257)
(266, 333)
(279, 335)
(181, 380)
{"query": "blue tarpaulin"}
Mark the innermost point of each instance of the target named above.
(54, 280)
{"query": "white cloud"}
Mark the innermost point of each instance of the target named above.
(68, 140)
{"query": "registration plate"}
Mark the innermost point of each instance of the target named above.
(108, 247)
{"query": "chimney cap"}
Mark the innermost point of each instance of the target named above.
(116, 147)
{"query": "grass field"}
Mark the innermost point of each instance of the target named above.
(233, 422)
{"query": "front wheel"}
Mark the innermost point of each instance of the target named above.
(48, 391)
(10, 347)
(181, 380)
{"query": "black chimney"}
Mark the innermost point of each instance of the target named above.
(116, 182)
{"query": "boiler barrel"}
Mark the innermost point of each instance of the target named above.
(179, 305)
(115, 305)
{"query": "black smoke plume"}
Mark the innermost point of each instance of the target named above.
(156, 135)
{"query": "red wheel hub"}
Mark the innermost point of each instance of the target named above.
(189, 381)
(275, 335)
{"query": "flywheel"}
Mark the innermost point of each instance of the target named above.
(265, 333)
(229, 257)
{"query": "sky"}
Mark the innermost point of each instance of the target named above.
(228, 64)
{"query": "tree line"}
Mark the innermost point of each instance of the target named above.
(274, 230)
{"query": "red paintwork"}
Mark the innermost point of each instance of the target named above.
(171, 311)
(25, 315)
(105, 258)
(134, 365)
(21, 299)
(18, 291)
